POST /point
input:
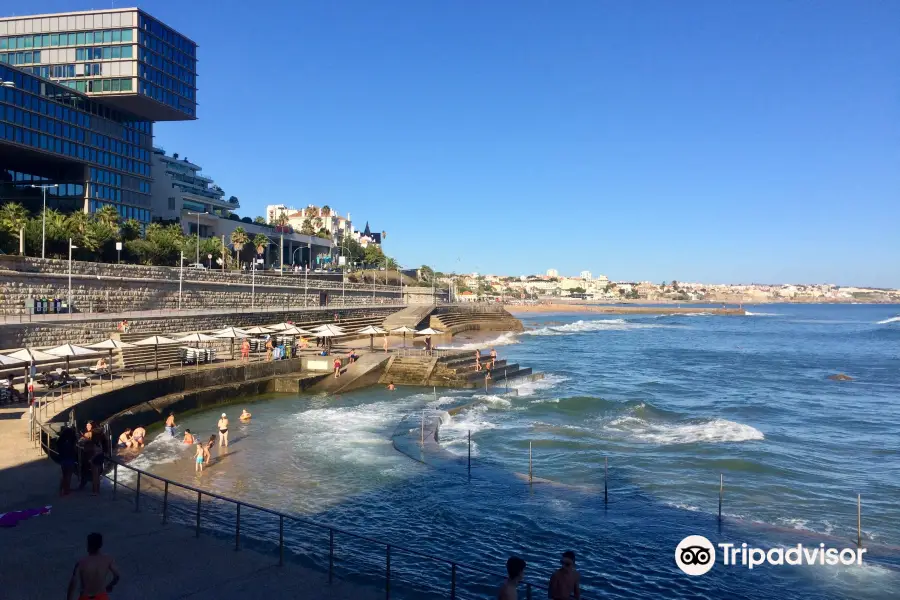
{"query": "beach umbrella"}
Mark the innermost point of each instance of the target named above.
(328, 331)
(197, 337)
(279, 326)
(403, 330)
(68, 350)
(230, 333)
(6, 361)
(156, 341)
(257, 330)
(371, 331)
(429, 331)
(30, 357)
(111, 344)
(294, 331)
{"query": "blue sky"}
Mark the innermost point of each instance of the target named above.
(699, 140)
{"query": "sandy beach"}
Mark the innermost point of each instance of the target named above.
(618, 309)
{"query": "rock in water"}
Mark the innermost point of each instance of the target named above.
(840, 377)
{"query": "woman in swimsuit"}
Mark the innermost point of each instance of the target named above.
(223, 430)
(188, 437)
(207, 448)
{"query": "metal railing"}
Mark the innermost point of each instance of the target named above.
(171, 490)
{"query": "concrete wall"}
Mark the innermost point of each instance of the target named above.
(101, 287)
(97, 329)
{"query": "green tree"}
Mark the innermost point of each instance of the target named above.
(426, 272)
(307, 228)
(13, 218)
(260, 242)
(326, 211)
(373, 255)
(577, 290)
(239, 239)
(323, 233)
(674, 285)
(131, 230)
(108, 216)
(260, 221)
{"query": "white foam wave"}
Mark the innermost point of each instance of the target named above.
(510, 337)
(529, 388)
(454, 433)
(891, 320)
(582, 326)
(160, 450)
(760, 314)
(711, 431)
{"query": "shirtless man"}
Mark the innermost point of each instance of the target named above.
(126, 440)
(493, 357)
(223, 431)
(515, 571)
(170, 424)
(137, 436)
(565, 582)
(91, 571)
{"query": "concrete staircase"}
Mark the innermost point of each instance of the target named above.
(458, 320)
(412, 316)
(459, 371)
(409, 370)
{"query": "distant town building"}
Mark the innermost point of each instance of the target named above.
(586, 275)
(552, 273)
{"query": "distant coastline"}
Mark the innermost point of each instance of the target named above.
(664, 307)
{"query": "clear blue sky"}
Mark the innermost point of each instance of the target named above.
(697, 140)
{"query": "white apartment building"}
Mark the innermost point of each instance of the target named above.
(552, 273)
(181, 191)
(322, 218)
(585, 275)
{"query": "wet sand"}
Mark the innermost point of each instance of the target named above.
(617, 309)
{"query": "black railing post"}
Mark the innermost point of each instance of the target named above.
(166, 503)
(387, 575)
(605, 478)
(115, 477)
(237, 528)
(453, 582)
(280, 540)
(330, 555)
(137, 494)
(197, 533)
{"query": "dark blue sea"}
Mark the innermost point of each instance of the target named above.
(655, 409)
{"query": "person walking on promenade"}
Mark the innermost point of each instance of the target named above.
(199, 458)
(100, 446)
(90, 573)
(385, 345)
(223, 431)
(565, 583)
(337, 367)
(493, 357)
(515, 571)
(67, 449)
(245, 350)
(170, 424)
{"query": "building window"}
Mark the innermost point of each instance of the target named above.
(171, 203)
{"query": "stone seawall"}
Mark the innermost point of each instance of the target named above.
(97, 329)
(101, 287)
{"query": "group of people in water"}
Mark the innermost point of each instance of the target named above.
(203, 454)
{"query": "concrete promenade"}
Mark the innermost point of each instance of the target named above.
(156, 561)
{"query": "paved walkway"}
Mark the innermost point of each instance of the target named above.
(157, 561)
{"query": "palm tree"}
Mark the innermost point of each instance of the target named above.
(326, 211)
(260, 242)
(239, 239)
(13, 217)
(108, 215)
(282, 219)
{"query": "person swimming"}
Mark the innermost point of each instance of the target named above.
(245, 416)
(188, 437)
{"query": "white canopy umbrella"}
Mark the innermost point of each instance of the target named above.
(257, 330)
(231, 333)
(197, 337)
(110, 344)
(294, 331)
(403, 330)
(329, 327)
(30, 357)
(371, 331)
(279, 326)
(429, 331)
(68, 350)
(7, 361)
(156, 341)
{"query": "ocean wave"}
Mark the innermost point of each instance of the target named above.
(760, 314)
(510, 337)
(162, 449)
(582, 326)
(709, 431)
(891, 320)
(455, 430)
(529, 388)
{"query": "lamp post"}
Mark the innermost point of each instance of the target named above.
(253, 283)
(180, 278)
(198, 232)
(69, 300)
(44, 213)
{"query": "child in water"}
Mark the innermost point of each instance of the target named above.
(245, 416)
(199, 459)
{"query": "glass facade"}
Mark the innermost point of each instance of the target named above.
(54, 122)
(168, 65)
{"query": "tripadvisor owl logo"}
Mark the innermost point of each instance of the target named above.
(695, 555)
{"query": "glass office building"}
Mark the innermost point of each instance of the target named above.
(81, 93)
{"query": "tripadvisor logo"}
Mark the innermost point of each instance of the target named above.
(696, 555)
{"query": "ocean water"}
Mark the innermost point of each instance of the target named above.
(664, 405)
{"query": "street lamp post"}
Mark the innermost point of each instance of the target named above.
(198, 232)
(44, 213)
(69, 300)
(180, 278)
